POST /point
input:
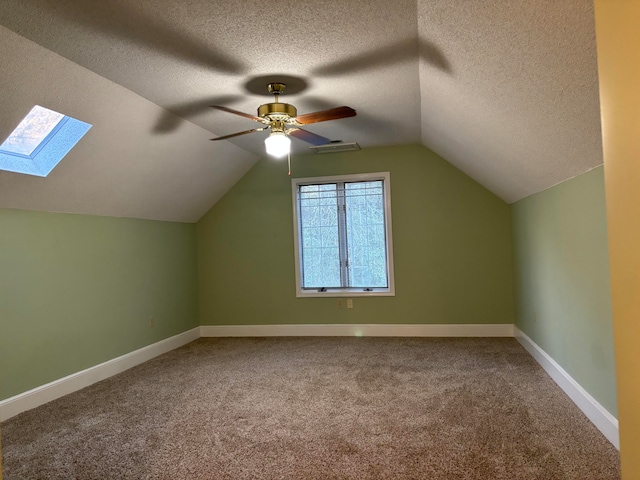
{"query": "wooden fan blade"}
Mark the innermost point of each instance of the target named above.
(324, 115)
(307, 136)
(236, 112)
(231, 135)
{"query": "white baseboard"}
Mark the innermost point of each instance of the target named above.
(599, 416)
(356, 330)
(76, 381)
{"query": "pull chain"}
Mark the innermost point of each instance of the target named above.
(289, 162)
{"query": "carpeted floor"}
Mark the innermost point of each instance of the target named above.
(316, 408)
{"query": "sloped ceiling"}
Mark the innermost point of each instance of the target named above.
(505, 90)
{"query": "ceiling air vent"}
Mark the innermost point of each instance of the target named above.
(335, 147)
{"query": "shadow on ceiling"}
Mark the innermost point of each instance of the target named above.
(175, 114)
(124, 20)
(258, 85)
(398, 52)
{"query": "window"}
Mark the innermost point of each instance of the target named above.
(40, 141)
(342, 235)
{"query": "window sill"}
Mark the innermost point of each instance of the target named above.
(355, 292)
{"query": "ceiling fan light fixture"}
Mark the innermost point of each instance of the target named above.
(277, 144)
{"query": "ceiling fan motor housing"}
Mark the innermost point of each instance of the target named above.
(275, 110)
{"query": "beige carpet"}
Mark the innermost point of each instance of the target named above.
(316, 408)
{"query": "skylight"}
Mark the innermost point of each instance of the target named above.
(40, 141)
(33, 129)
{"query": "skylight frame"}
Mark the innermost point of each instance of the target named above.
(49, 152)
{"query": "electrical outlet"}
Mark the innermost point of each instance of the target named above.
(152, 322)
(349, 303)
(340, 303)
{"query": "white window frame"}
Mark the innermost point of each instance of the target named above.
(345, 292)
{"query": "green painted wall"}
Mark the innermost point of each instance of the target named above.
(562, 280)
(451, 236)
(78, 290)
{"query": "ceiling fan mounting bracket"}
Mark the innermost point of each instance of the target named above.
(276, 88)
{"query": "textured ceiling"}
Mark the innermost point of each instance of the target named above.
(506, 90)
(520, 110)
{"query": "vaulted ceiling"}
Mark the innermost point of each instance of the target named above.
(505, 90)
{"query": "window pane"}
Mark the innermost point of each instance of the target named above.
(32, 130)
(364, 202)
(320, 253)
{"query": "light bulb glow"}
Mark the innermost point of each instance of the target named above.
(277, 144)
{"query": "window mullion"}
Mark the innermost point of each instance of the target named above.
(342, 235)
(300, 248)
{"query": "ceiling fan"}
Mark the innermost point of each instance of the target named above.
(283, 121)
